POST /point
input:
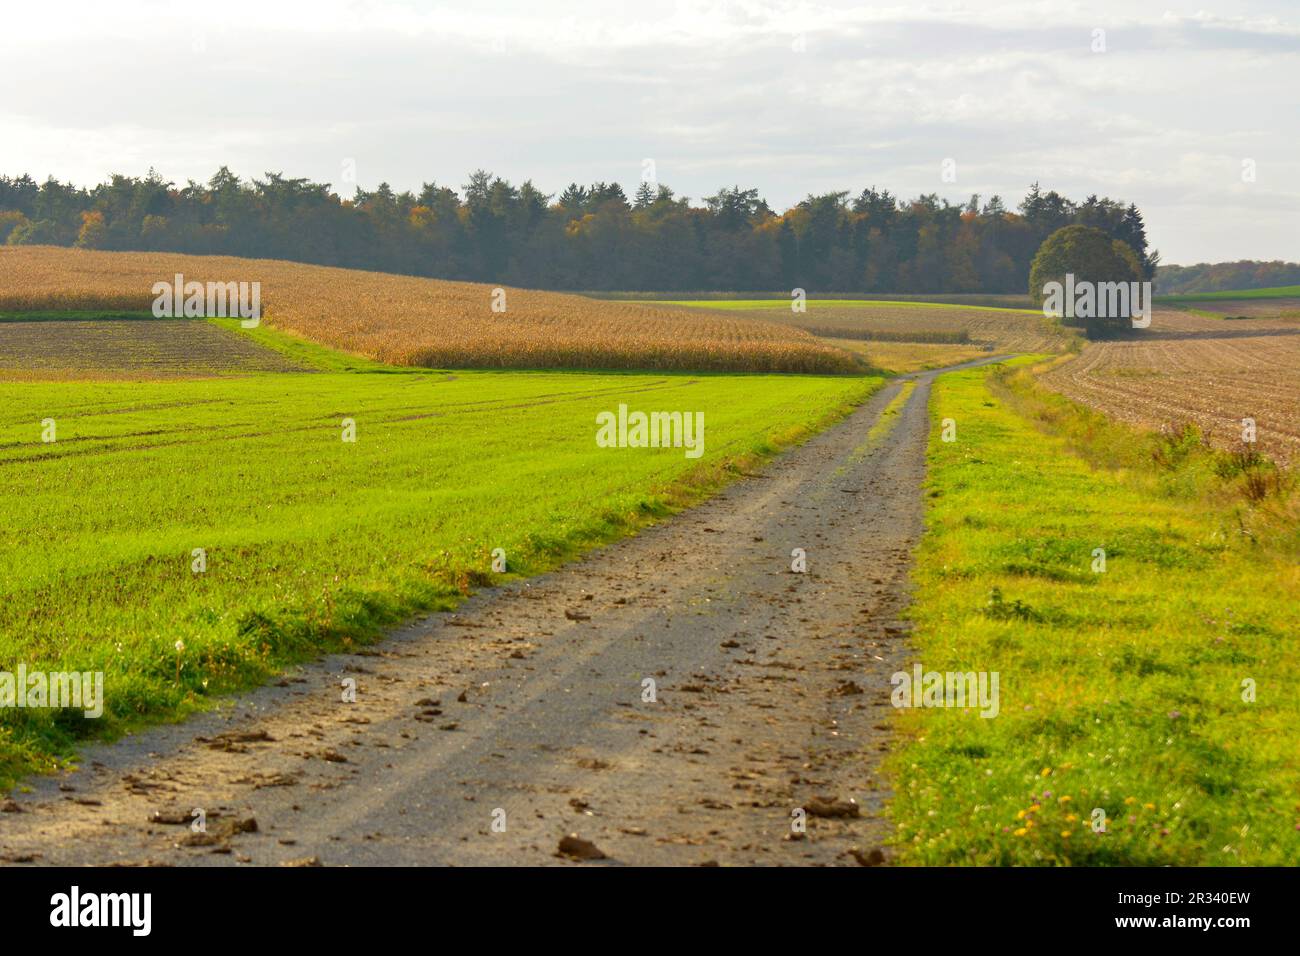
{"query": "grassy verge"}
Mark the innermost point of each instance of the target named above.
(309, 354)
(312, 543)
(1124, 691)
(889, 415)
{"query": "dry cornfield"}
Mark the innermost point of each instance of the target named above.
(405, 320)
(901, 358)
(1190, 369)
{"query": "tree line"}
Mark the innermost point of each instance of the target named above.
(586, 238)
(1221, 276)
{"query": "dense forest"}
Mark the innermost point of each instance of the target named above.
(1219, 276)
(586, 238)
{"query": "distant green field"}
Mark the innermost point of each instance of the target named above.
(312, 542)
(970, 300)
(813, 304)
(1279, 292)
(991, 302)
(1123, 686)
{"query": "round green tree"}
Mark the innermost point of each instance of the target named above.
(1091, 257)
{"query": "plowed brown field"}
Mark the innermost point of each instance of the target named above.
(1191, 369)
(405, 320)
(149, 348)
(1250, 308)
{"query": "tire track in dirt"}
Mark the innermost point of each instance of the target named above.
(528, 705)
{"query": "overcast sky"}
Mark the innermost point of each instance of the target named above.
(789, 97)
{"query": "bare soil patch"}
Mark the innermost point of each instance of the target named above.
(148, 348)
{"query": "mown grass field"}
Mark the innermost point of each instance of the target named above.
(1276, 292)
(995, 300)
(1121, 691)
(311, 542)
(783, 305)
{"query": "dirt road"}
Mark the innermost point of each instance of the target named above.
(489, 735)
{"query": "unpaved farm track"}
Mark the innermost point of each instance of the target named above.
(526, 705)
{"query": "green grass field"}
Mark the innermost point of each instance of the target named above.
(1121, 691)
(995, 300)
(813, 304)
(1277, 292)
(312, 542)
